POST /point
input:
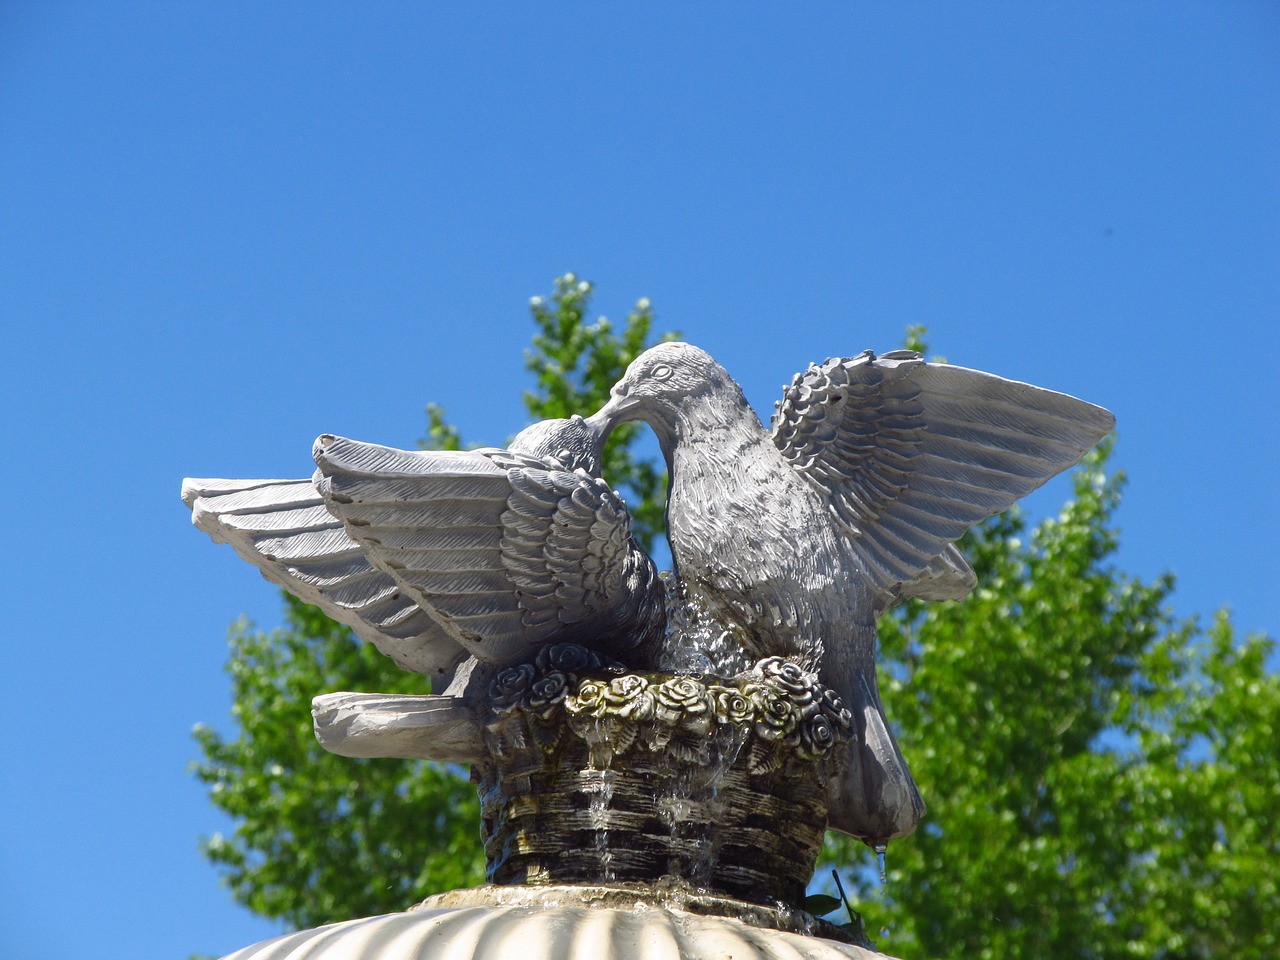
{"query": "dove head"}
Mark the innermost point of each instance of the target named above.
(574, 444)
(662, 384)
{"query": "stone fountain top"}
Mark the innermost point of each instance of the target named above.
(623, 725)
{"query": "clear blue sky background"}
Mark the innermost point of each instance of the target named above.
(228, 227)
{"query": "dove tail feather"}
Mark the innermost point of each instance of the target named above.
(873, 796)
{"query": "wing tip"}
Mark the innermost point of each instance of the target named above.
(323, 447)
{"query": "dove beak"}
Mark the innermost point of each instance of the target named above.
(621, 402)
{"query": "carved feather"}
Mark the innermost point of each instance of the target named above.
(922, 451)
(434, 555)
(537, 538)
(257, 516)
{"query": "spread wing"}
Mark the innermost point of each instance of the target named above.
(912, 454)
(285, 530)
(504, 551)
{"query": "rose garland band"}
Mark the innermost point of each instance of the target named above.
(776, 700)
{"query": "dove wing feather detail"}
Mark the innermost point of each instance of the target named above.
(568, 549)
(284, 529)
(912, 454)
(502, 551)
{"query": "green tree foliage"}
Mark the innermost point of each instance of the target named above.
(318, 837)
(1102, 778)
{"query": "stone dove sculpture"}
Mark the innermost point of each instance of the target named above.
(795, 539)
(450, 561)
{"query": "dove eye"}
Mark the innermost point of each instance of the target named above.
(661, 372)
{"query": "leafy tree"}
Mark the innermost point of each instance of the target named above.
(318, 837)
(1102, 778)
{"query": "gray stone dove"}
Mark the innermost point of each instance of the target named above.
(796, 539)
(443, 557)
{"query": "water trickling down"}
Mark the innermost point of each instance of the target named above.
(692, 805)
(656, 764)
(881, 849)
(695, 643)
(598, 781)
(690, 801)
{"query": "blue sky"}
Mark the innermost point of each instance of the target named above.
(226, 228)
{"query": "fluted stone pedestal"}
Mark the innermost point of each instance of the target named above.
(558, 923)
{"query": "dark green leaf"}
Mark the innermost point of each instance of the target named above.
(820, 904)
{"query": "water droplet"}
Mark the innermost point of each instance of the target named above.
(881, 849)
(885, 931)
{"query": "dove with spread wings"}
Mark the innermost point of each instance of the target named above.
(795, 539)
